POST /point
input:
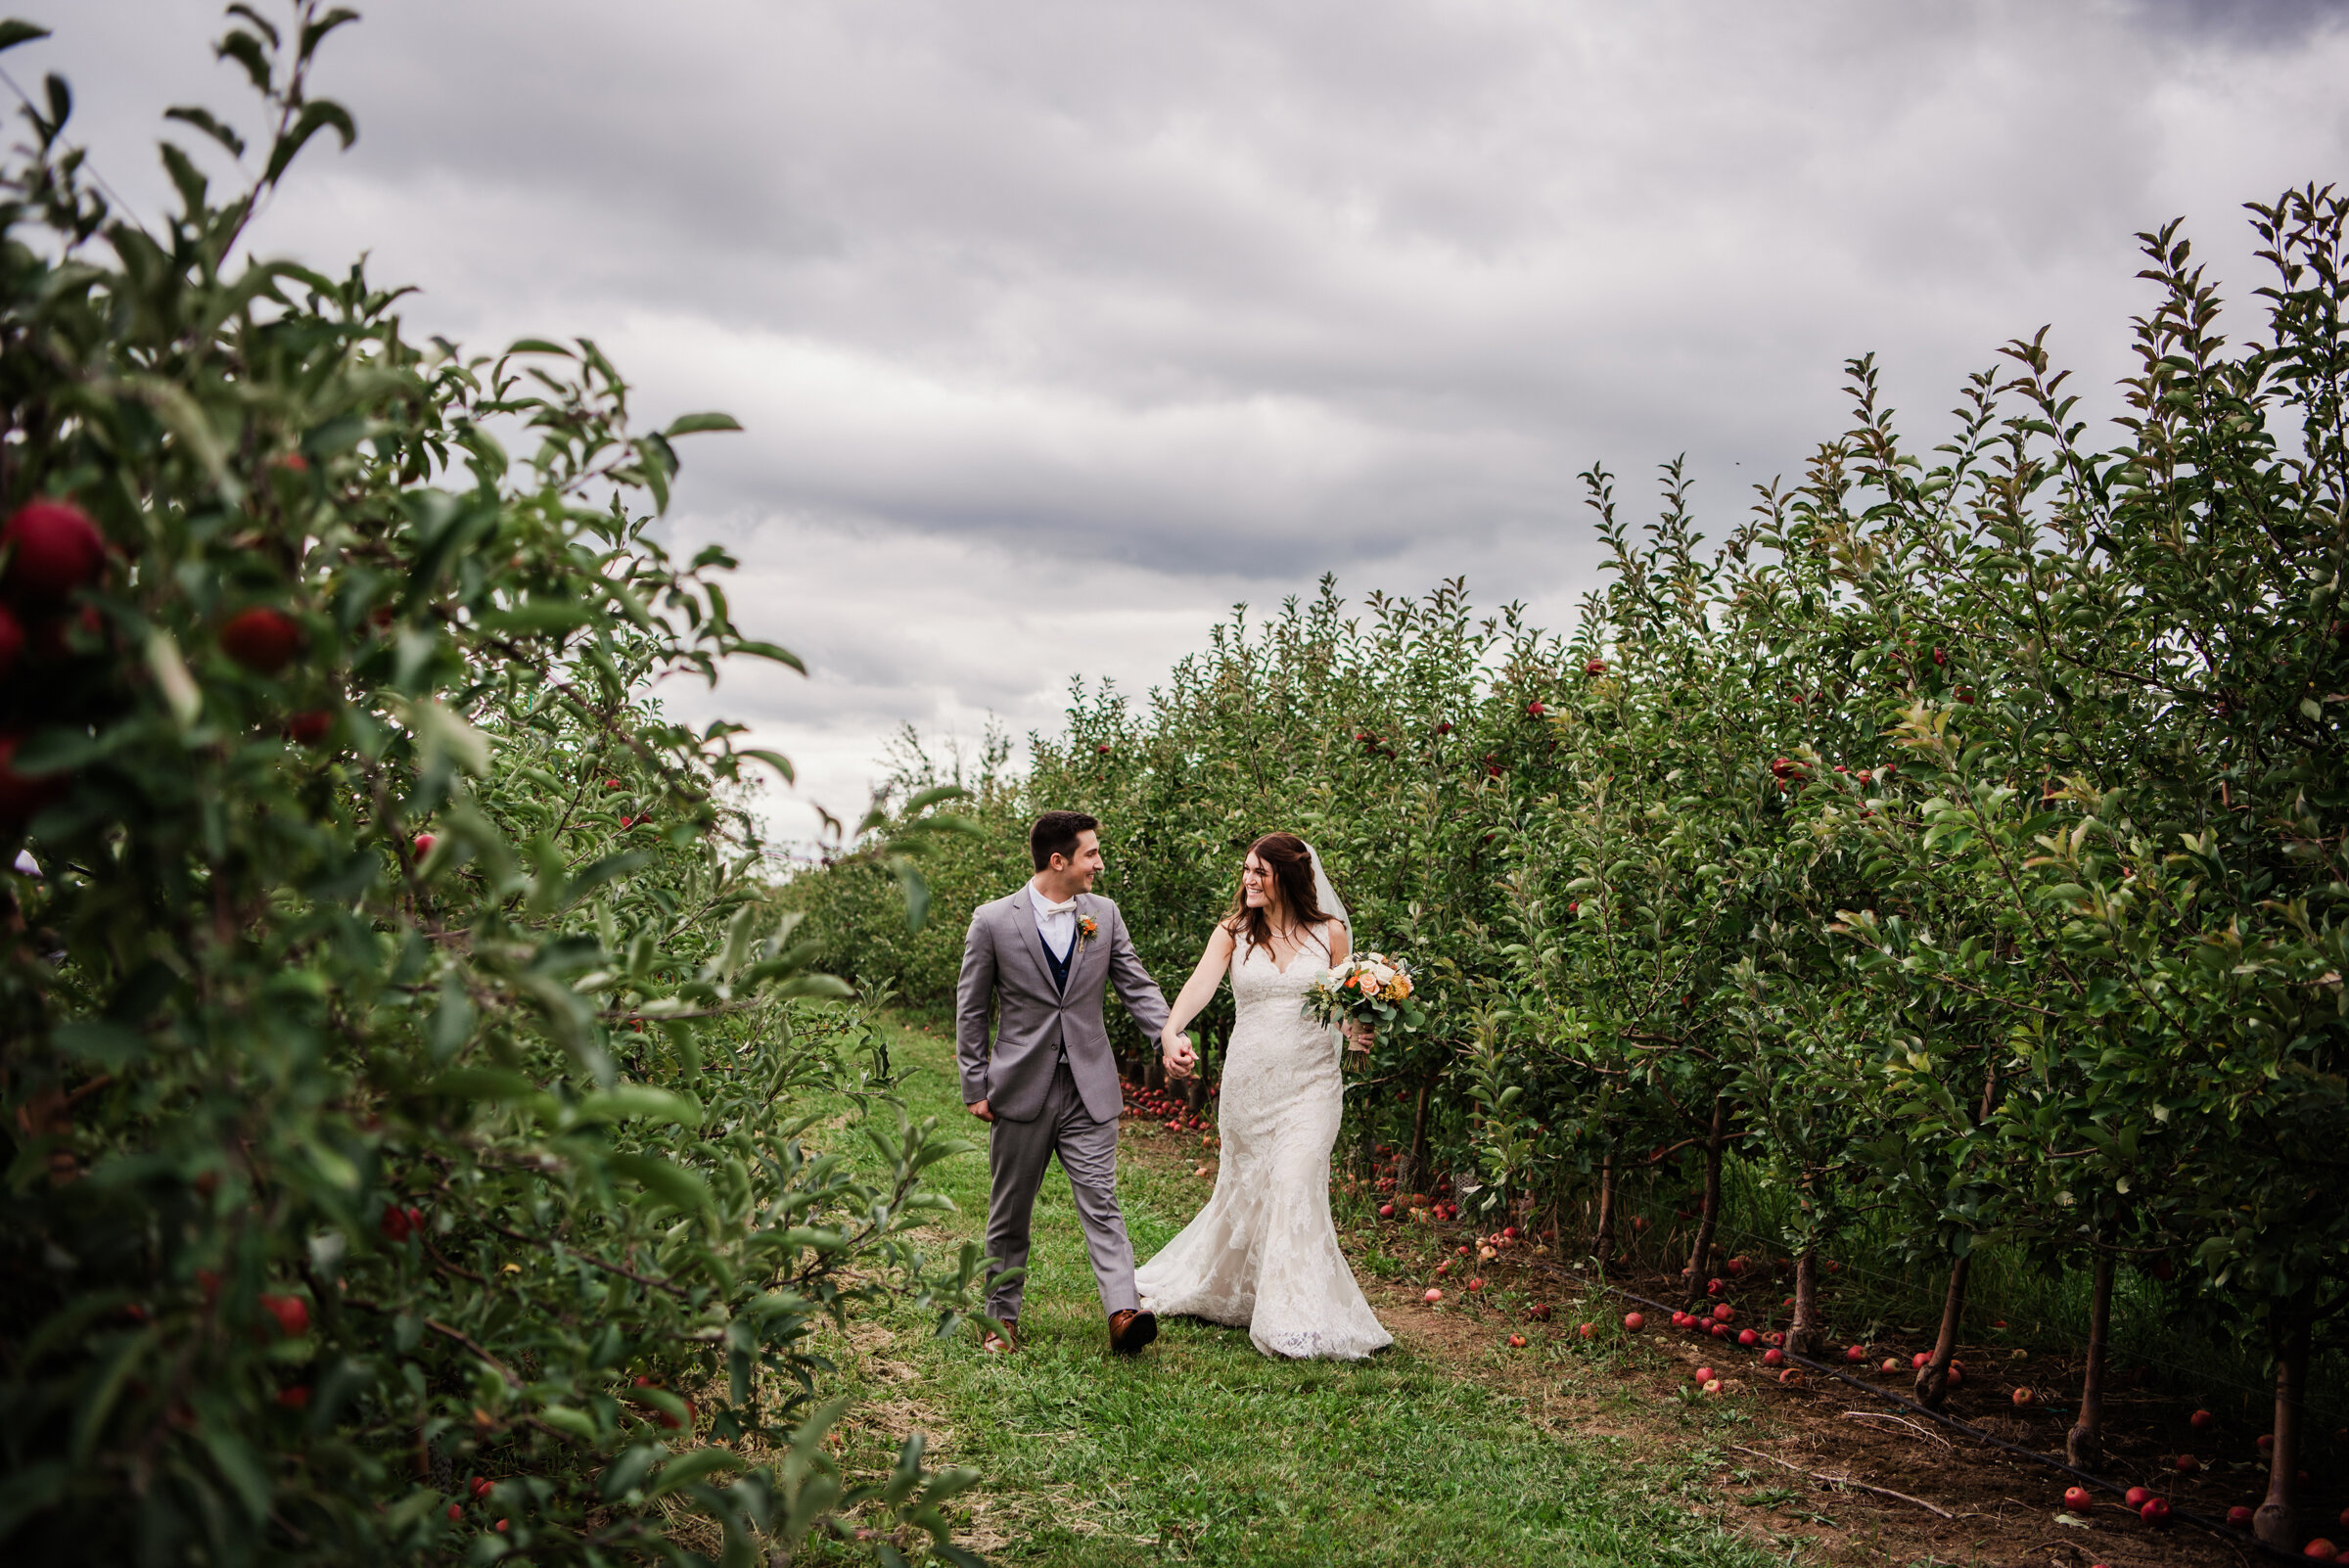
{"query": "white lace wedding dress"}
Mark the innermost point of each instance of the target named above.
(1263, 1253)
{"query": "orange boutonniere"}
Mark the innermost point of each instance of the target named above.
(1087, 928)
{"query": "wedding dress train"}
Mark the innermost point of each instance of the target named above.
(1263, 1253)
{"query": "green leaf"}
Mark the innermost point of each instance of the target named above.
(679, 1189)
(12, 33)
(204, 120)
(316, 116)
(687, 1468)
(693, 424)
(768, 650)
(626, 1101)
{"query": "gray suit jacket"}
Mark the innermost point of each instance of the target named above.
(1003, 963)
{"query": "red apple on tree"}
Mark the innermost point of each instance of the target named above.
(53, 549)
(263, 640)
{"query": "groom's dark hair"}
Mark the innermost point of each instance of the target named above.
(1055, 833)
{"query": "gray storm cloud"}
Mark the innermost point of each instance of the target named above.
(1059, 327)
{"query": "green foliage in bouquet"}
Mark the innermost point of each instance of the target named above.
(400, 1049)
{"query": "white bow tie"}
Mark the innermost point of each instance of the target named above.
(1049, 907)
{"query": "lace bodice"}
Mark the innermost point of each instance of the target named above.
(1264, 1252)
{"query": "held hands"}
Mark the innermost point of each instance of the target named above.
(1359, 1035)
(1176, 1048)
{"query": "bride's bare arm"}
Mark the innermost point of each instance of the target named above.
(1197, 992)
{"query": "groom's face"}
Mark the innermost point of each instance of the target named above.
(1081, 872)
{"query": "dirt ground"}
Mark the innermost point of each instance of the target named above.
(1859, 1477)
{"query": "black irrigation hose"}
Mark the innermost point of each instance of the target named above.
(2217, 1527)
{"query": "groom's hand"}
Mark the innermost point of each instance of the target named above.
(978, 1108)
(1179, 1056)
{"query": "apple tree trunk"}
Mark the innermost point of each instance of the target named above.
(2277, 1522)
(1417, 1165)
(1708, 1218)
(1803, 1335)
(2084, 1445)
(1602, 1243)
(1933, 1381)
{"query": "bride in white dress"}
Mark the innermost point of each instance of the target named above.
(1263, 1253)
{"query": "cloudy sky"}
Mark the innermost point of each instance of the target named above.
(1059, 326)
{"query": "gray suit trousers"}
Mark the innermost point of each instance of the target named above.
(1018, 1151)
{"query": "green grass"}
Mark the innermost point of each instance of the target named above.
(1201, 1451)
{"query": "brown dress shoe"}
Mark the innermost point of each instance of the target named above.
(1129, 1331)
(1004, 1342)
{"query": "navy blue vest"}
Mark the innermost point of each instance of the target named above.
(1058, 963)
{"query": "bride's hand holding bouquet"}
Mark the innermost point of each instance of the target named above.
(1363, 993)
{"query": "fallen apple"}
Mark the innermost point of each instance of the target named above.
(1916, 1363)
(2079, 1500)
(1704, 1374)
(1432, 1297)
(2201, 1420)
(1748, 1338)
(1588, 1331)
(1516, 1342)
(2136, 1496)
(1890, 1365)
(1856, 1355)
(1633, 1322)
(1386, 1211)
(2321, 1550)
(2024, 1396)
(2188, 1464)
(1774, 1357)
(1725, 1313)
(2156, 1512)
(1712, 1386)
(2239, 1516)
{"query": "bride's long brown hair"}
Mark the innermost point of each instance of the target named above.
(1292, 865)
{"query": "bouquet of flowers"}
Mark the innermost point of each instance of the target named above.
(1369, 991)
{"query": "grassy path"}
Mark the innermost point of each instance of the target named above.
(1201, 1451)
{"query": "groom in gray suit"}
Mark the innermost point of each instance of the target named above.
(1037, 960)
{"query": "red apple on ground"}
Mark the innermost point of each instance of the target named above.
(2024, 1396)
(2267, 1440)
(1725, 1313)
(1856, 1355)
(1588, 1331)
(2188, 1464)
(2201, 1420)
(262, 640)
(1516, 1342)
(1916, 1363)
(53, 549)
(1774, 1358)
(2239, 1516)
(2078, 1500)
(2156, 1512)
(1432, 1297)
(1386, 1211)
(2321, 1550)
(1890, 1366)
(1736, 1266)
(1712, 1386)
(1748, 1338)
(1476, 1285)
(1633, 1322)
(1957, 1373)
(1704, 1374)
(2136, 1496)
